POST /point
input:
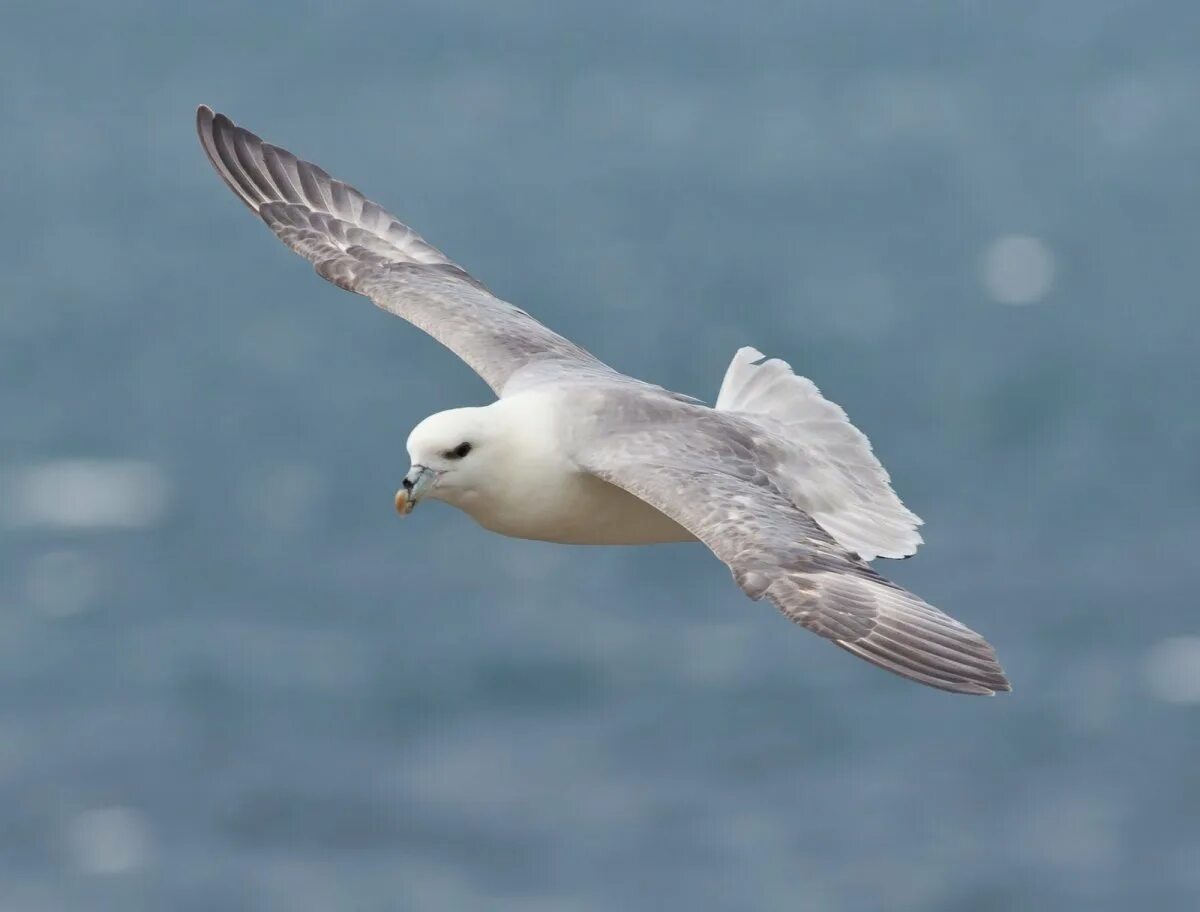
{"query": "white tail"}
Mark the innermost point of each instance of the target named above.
(829, 470)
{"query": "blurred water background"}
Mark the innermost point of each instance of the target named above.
(231, 678)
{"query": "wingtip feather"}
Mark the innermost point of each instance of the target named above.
(216, 133)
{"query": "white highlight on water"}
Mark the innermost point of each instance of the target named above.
(1017, 269)
(108, 840)
(84, 494)
(1172, 670)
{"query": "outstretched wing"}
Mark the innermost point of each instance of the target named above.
(703, 474)
(358, 246)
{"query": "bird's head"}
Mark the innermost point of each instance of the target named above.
(448, 452)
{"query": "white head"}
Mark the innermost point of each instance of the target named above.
(454, 455)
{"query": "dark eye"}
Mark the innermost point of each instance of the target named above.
(459, 451)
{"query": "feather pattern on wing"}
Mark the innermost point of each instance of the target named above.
(827, 468)
(360, 247)
(707, 475)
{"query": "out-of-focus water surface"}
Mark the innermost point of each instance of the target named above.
(231, 678)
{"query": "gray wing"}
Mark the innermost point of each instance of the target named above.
(358, 246)
(703, 474)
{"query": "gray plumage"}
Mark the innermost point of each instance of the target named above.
(360, 247)
(748, 479)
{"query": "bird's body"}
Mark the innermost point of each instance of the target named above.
(534, 488)
(773, 479)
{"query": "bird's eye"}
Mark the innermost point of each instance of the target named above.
(459, 451)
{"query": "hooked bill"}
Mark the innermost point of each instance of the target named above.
(404, 503)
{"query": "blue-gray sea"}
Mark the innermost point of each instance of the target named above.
(231, 678)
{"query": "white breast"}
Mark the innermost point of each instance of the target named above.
(535, 490)
(580, 509)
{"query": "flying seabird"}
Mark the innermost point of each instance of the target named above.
(773, 479)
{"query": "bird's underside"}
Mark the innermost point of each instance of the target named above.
(775, 481)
